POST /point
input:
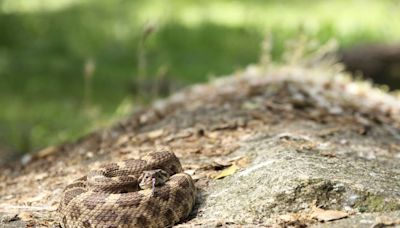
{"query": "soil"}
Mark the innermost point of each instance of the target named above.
(233, 135)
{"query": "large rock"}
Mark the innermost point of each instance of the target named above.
(293, 172)
(287, 146)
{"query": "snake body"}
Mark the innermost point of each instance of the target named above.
(110, 196)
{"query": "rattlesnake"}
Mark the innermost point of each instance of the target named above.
(110, 196)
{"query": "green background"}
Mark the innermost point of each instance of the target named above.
(46, 44)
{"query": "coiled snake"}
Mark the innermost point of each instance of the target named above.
(148, 192)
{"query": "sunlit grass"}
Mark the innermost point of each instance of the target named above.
(24, 6)
(346, 16)
(42, 55)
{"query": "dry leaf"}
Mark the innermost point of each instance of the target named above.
(89, 154)
(40, 176)
(190, 171)
(384, 221)
(241, 161)
(328, 215)
(46, 151)
(294, 220)
(219, 164)
(227, 171)
(25, 216)
(123, 139)
(329, 154)
(155, 134)
(213, 135)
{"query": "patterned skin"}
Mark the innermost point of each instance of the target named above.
(111, 197)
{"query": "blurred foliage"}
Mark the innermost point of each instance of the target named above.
(48, 46)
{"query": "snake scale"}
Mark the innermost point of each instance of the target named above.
(149, 192)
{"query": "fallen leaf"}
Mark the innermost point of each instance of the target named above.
(190, 172)
(384, 221)
(219, 164)
(155, 134)
(46, 151)
(179, 135)
(25, 216)
(227, 171)
(294, 220)
(213, 134)
(89, 154)
(328, 215)
(241, 161)
(40, 176)
(123, 139)
(329, 154)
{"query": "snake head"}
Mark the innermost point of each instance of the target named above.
(151, 178)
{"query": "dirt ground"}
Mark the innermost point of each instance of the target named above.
(203, 125)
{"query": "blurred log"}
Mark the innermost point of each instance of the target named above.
(379, 62)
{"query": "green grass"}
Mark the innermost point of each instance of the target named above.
(43, 48)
